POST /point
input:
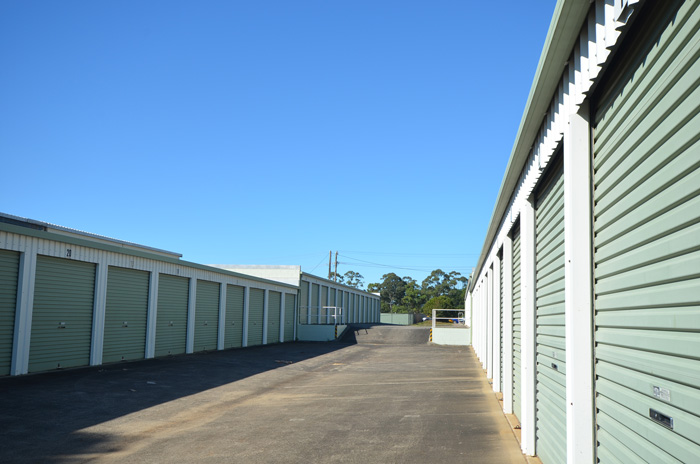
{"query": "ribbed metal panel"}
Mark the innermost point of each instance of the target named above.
(273, 317)
(289, 317)
(233, 333)
(324, 302)
(62, 315)
(126, 315)
(315, 307)
(500, 277)
(171, 323)
(255, 316)
(550, 347)
(647, 244)
(304, 303)
(517, 395)
(206, 316)
(9, 271)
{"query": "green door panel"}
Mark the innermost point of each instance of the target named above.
(255, 316)
(550, 393)
(646, 220)
(273, 317)
(62, 316)
(233, 333)
(289, 317)
(126, 315)
(9, 272)
(517, 394)
(171, 320)
(206, 316)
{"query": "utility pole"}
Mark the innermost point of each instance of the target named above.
(330, 257)
(335, 277)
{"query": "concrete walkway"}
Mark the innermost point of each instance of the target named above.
(294, 403)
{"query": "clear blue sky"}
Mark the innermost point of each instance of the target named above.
(268, 132)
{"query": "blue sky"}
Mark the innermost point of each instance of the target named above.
(268, 132)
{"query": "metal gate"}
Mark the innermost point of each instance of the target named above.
(9, 271)
(647, 243)
(255, 316)
(126, 315)
(550, 394)
(62, 316)
(206, 316)
(233, 334)
(273, 317)
(171, 319)
(517, 394)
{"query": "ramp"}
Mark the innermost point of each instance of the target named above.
(378, 334)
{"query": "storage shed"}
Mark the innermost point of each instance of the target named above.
(70, 298)
(586, 297)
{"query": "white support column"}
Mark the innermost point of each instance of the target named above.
(297, 298)
(489, 324)
(528, 359)
(496, 337)
(191, 309)
(98, 314)
(266, 312)
(222, 316)
(507, 325)
(580, 412)
(152, 318)
(246, 316)
(23, 313)
(283, 299)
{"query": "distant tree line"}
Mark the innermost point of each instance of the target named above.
(404, 294)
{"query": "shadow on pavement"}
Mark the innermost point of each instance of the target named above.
(42, 415)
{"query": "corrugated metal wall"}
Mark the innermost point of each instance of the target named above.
(9, 270)
(206, 329)
(550, 399)
(304, 303)
(289, 317)
(62, 315)
(647, 244)
(500, 277)
(315, 307)
(517, 394)
(255, 316)
(171, 320)
(126, 315)
(273, 317)
(233, 335)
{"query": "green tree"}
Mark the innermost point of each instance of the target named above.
(353, 279)
(391, 291)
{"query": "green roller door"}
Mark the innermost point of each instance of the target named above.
(550, 394)
(233, 333)
(517, 394)
(206, 316)
(62, 317)
(273, 317)
(126, 315)
(315, 310)
(348, 310)
(171, 323)
(255, 316)
(289, 318)
(647, 243)
(9, 271)
(304, 303)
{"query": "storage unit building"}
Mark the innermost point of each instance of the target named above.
(597, 231)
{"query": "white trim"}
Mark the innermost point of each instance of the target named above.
(580, 415)
(152, 318)
(528, 334)
(191, 310)
(246, 315)
(266, 315)
(221, 336)
(98, 313)
(23, 314)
